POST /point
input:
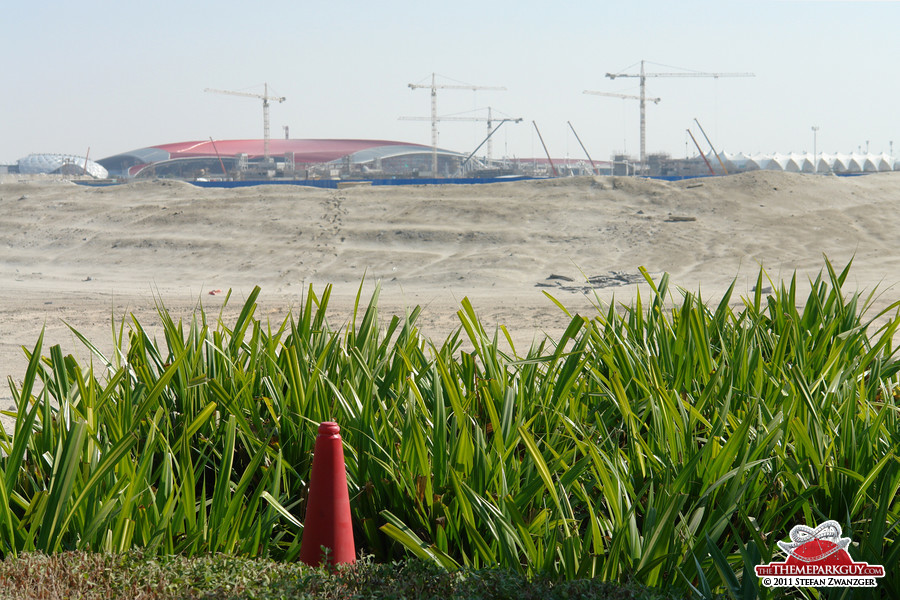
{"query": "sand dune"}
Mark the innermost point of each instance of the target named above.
(78, 255)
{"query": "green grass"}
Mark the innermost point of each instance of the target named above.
(670, 442)
(133, 575)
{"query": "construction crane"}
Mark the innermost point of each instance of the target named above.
(434, 87)
(265, 97)
(624, 96)
(490, 125)
(643, 97)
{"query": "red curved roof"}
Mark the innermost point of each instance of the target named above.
(304, 150)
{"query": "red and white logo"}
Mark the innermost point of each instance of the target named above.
(818, 558)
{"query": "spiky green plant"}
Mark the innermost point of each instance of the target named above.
(670, 441)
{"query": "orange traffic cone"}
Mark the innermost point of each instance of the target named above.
(328, 531)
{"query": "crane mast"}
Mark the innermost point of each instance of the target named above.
(434, 87)
(643, 75)
(643, 100)
(265, 97)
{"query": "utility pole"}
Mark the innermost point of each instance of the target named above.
(547, 152)
(434, 87)
(703, 156)
(643, 75)
(815, 130)
(711, 147)
(590, 160)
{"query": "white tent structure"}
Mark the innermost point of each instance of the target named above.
(66, 164)
(807, 163)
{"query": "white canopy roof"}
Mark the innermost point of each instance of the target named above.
(807, 163)
(53, 163)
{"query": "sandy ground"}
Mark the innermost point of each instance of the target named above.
(79, 256)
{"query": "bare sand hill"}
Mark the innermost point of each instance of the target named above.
(79, 255)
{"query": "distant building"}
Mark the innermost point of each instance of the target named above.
(307, 158)
(807, 163)
(542, 167)
(839, 164)
(60, 164)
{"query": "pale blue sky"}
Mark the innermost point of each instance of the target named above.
(115, 76)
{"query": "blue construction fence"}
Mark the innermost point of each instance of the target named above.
(334, 183)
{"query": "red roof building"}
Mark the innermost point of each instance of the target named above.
(288, 157)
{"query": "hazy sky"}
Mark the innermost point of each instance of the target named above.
(116, 76)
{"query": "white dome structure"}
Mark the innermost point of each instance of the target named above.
(759, 162)
(825, 163)
(885, 162)
(737, 162)
(66, 164)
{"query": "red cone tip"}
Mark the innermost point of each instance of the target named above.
(329, 428)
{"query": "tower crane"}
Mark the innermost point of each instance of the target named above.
(643, 97)
(265, 97)
(434, 86)
(623, 96)
(490, 124)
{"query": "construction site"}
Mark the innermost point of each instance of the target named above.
(327, 160)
